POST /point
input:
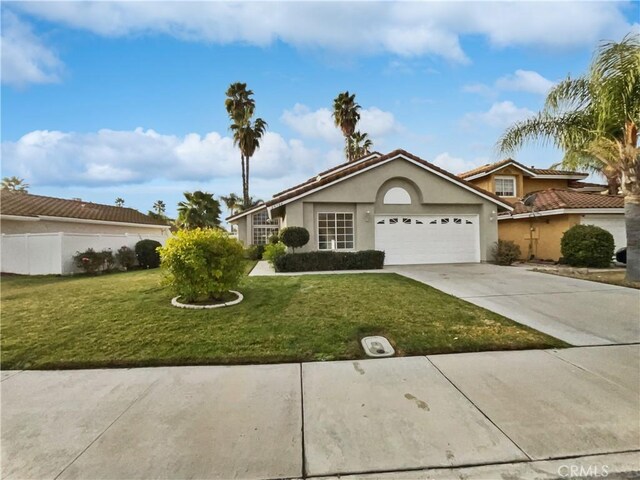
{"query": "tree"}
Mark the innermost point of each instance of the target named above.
(345, 116)
(199, 210)
(252, 203)
(15, 184)
(247, 132)
(232, 202)
(119, 202)
(359, 145)
(159, 207)
(594, 119)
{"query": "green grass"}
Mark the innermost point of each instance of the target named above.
(126, 319)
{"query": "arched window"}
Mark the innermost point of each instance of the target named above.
(397, 196)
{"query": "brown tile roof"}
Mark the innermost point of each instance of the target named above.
(27, 205)
(553, 199)
(314, 183)
(581, 184)
(538, 171)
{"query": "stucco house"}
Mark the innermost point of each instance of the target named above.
(547, 203)
(41, 234)
(399, 203)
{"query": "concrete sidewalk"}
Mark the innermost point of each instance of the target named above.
(522, 414)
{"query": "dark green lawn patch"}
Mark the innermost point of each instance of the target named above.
(126, 319)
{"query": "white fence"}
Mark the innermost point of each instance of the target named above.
(52, 253)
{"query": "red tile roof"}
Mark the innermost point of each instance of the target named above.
(553, 199)
(538, 171)
(27, 205)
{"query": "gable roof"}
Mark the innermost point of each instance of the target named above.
(28, 205)
(346, 170)
(562, 199)
(534, 172)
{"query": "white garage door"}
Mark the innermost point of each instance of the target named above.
(612, 223)
(414, 239)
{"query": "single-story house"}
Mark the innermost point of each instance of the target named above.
(411, 209)
(538, 222)
(41, 234)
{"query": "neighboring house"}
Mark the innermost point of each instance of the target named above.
(413, 210)
(547, 203)
(41, 234)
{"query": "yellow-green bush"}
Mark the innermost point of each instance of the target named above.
(202, 264)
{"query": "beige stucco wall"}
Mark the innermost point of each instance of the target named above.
(363, 193)
(537, 184)
(524, 184)
(538, 237)
(46, 226)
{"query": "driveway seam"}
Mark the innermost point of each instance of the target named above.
(483, 414)
(146, 390)
(11, 376)
(304, 455)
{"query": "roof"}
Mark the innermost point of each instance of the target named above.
(27, 205)
(344, 170)
(555, 199)
(535, 172)
(581, 184)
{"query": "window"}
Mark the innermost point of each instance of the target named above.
(406, 221)
(335, 231)
(457, 221)
(505, 186)
(444, 221)
(263, 228)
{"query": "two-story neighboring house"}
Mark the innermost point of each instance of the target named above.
(547, 203)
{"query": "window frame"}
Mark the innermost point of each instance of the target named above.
(512, 178)
(335, 214)
(273, 226)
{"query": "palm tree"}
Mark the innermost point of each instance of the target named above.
(359, 145)
(199, 210)
(119, 202)
(594, 119)
(246, 133)
(159, 207)
(15, 184)
(252, 203)
(345, 116)
(232, 202)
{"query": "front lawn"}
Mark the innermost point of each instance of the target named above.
(125, 319)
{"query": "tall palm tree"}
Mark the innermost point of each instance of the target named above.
(359, 145)
(199, 210)
(247, 133)
(15, 184)
(594, 119)
(345, 116)
(252, 203)
(232, 202)
(159, 207)
(119, 202)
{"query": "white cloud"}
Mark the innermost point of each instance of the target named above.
(456, 164)
(525, 81)
(112, 157)
(500, 115)
(319, 123)
(25, 59)
(407, 29)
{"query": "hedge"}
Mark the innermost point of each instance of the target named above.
(147, 253)
(587, 246)
(326, 261)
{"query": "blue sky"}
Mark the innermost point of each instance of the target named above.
(126, 99)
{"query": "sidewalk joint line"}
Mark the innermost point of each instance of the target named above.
(304, 456)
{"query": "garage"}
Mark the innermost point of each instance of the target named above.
(614, 224)
(420, 239)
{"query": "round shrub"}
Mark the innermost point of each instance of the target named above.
(273, 251)
(294, 237)
(587, 246)
(202, 264)
(505, 252)
(147, 253)
(125, 257)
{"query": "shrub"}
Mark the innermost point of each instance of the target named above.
(147, 253)
(319, 261)
(505, 252)
(587, 246)
(273, 251)
(93, 262)
(125, 257)
(294, 237)
(254, 252)
(273, 239)
(202, 263)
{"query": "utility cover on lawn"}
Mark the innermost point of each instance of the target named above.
(377, 347)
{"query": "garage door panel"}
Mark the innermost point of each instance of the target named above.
(428, 238)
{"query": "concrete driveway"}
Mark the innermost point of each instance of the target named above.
(579, 312)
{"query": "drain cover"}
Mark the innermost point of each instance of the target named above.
(377, 347)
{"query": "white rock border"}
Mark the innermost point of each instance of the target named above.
(176, 303)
